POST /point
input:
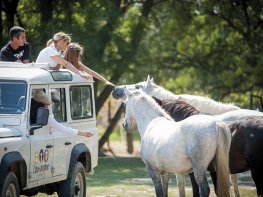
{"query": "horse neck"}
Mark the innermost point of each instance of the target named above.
(206, 105)
(162, 94)
(143, 116)
(202, 104)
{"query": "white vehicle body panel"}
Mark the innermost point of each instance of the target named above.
(47, 152)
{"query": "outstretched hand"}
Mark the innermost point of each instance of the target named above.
(85, 134)
(110, 84)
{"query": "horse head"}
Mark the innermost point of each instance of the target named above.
(134, 104)
(127, 122)
(147, 86)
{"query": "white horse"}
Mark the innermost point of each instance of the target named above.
(223, 112)
(202, 104)
(178, 147)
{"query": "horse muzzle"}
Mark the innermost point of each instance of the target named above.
(118, 93)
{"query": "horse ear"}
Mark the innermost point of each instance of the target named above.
(148, 78)
(148, 82)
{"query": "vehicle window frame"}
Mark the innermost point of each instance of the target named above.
(62, 104)
(91, 102)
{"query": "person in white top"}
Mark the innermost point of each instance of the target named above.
(41, 97)
(52, 54)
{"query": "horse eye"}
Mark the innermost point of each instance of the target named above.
(137, 86)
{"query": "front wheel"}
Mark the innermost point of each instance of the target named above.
(10, 187)
(75, 185)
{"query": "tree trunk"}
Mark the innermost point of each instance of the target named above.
(110, 128)
(9, 7)
(129, 142)
(136, 38)
(45, 8)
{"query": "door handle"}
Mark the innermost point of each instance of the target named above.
(49, 146)
(67, 143)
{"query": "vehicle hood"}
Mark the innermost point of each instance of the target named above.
(9, 132)
(10, 120)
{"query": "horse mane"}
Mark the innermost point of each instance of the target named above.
(177, 109)
(201, 103)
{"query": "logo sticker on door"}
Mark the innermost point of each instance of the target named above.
(40, 160)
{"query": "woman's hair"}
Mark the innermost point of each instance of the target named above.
(59, 36)
(72, 54)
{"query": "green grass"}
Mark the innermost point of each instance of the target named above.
(120, 176)
(127, 176)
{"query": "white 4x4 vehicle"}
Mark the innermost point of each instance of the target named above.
(34, 157)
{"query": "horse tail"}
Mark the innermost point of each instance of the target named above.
(222, 160)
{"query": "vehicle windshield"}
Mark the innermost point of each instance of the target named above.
(12, 97)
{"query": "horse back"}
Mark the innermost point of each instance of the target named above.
(247, 144)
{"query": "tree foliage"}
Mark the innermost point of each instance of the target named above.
(203, 47)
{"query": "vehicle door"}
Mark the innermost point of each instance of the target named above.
(42, 145)
(63, 142)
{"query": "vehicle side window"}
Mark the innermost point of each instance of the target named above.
(81, 102)
(58, 97)
(34, 106)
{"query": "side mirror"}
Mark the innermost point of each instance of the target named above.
(42, 116)
(41, 119)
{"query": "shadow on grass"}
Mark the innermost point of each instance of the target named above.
(119, 170)
(127, 172)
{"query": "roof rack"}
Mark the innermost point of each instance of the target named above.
(21, 65)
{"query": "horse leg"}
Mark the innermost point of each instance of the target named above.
(213, 174)
(235, 185)
(257, 178)
(200, 177)
(165, 181)
(204, 189)
(194, 185)
(156, 178)
(180, 184)
(214, 178)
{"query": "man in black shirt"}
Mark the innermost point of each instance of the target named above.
(17, 50)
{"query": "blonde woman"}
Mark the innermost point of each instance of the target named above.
(52, 53)
(73, 54)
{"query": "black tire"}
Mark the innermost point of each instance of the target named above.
(10, 187)
(75, 185)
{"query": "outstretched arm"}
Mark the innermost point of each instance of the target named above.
(94, 74)
(64, 129)
(60, 60)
